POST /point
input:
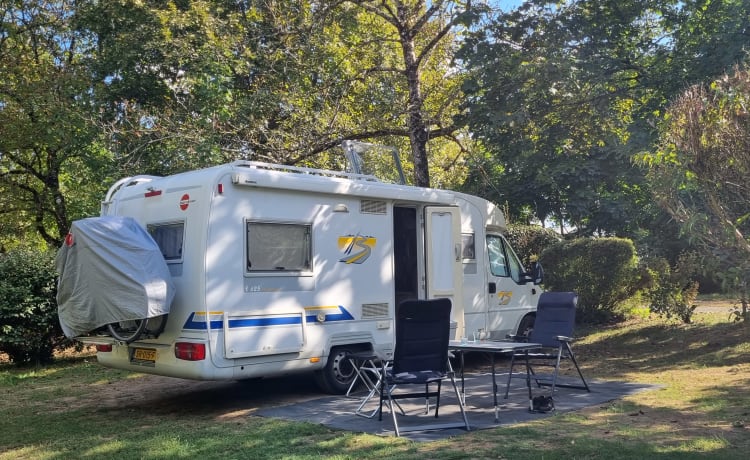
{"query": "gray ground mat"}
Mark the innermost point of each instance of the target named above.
(338, 411)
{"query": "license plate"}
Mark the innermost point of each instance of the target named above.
(144, 354)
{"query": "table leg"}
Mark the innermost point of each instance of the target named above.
(494, 387)
(528, 381)
(463, 388)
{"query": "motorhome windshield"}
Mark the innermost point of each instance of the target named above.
(503, 261)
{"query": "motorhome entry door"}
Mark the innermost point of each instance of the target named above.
(443, 256)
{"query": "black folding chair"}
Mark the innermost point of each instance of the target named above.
(420, 358)
(553, 329)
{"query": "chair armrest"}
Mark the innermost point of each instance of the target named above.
(563, 338)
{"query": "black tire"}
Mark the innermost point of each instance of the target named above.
(127, 331)
(337, 374)
(526, 326)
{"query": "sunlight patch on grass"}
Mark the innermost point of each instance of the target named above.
(169, 446)
(35, 452)
(703, 444)
(105, 449)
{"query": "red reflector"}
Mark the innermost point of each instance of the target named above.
(190, 351)
(104, 348)
(151, 193)
(221, 189)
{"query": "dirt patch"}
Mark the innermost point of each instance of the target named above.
(217, 399)
(716, 305)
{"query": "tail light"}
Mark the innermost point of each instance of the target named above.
(190, 351)
(104, 348)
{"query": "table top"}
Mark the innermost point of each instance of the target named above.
(492, 346)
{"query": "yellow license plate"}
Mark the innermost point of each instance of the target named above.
(144, 354)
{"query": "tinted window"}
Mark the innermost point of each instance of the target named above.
(278, 247)
(169, 237)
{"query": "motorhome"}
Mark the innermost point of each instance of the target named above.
(280, 269)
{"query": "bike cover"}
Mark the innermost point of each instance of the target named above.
(111, 270)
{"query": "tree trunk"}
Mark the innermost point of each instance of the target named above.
(415, 122)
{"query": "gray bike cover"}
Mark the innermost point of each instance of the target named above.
(110, 270)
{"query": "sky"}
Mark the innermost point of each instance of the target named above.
(507, 5)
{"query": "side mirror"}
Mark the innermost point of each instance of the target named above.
(537, 273)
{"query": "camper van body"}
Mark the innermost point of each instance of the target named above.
(281, 269)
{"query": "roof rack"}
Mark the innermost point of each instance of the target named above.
(304, 170)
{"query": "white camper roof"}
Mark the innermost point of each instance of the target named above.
(267, 175)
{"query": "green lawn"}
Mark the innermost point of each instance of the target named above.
(702, 411)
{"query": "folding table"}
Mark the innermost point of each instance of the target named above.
(366, 365)
(493, 348)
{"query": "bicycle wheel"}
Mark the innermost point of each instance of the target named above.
(127, 331)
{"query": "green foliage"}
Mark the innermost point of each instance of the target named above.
(673, 290)
(29, 327)
(603, 271)
(45, 116)
(700, 171)
(529, 241)
(563, 94)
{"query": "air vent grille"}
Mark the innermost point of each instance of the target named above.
(372, 207)
(374, 310)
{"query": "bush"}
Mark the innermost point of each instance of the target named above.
(530, 240)
(603, 271)
(29, 327)
(673, 290)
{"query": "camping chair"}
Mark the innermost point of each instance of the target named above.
(553, 329)
(420, 358)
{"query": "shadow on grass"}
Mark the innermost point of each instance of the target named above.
(661, 346)
(103, 413)
(216, 421)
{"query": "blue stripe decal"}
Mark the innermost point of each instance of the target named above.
(191, 322)
(344, 315)
(256, 322)
(201, 325)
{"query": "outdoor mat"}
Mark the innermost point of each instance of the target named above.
(339, 411)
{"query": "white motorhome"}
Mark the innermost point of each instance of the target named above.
(281, 269)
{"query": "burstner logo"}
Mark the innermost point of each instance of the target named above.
(356, 247)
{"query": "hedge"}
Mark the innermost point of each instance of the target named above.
(29, 327)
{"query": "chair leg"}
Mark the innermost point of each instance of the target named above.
(557, 369)
(437, 400)
(393, 416)
(575, 363)
(460, 402)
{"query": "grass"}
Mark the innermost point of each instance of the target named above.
(701, 411)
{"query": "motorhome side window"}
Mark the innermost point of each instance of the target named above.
(278, 247)
(496, 252)
(468, 250)
(169, 237)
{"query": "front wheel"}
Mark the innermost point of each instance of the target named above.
(337, 374)
(526, 326)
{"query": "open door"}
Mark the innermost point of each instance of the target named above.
(443, 258)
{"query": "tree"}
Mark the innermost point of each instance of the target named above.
(44, 113)
(565, 94)
(194, 83)
(700, 173)
(425, 33)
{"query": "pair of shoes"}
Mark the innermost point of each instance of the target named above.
(542, 404)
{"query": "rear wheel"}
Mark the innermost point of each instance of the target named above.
(337, 374)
